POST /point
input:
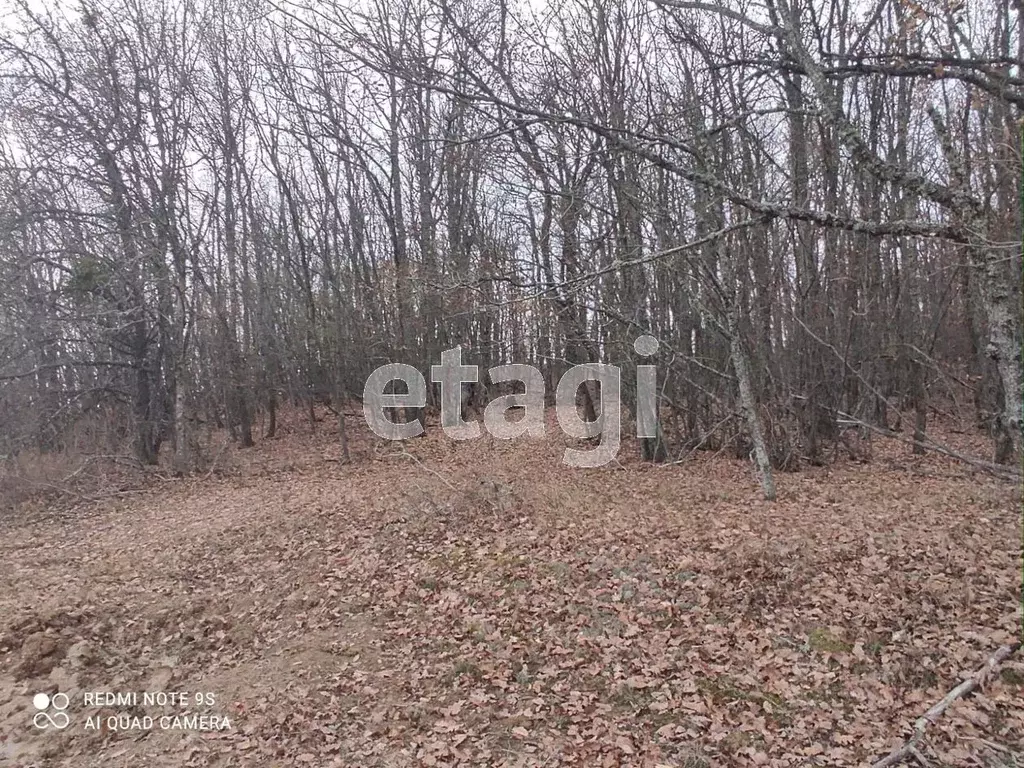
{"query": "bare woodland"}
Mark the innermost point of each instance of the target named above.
(218, 217)
(211, 209)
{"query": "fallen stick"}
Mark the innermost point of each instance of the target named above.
(978, 679)
(998, 470)
(216, 458)
(405, 453)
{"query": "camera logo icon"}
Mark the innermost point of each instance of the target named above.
(51, 712)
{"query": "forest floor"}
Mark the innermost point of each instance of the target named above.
(479, 603)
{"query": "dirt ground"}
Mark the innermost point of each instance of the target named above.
(479, 603)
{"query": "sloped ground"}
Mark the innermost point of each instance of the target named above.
(478, 603)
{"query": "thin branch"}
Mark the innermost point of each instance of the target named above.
(978, 679)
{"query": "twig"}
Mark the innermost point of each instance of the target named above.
(998, 470)
(707, 436)
(133, 462)
(992, 745)
(979, 678)
(216, 458)
(916, 754)
(405, 452)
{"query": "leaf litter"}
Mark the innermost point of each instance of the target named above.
(481, 604)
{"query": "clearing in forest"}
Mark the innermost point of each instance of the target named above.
(444, 603)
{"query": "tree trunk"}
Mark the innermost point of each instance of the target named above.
(740, 363)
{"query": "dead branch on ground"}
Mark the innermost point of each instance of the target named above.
(978, 679)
